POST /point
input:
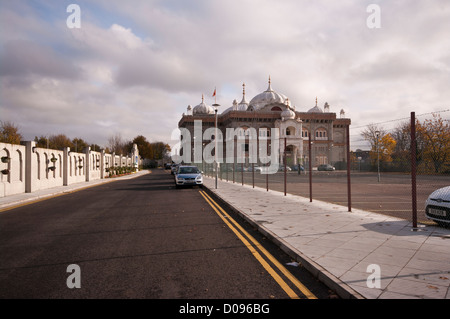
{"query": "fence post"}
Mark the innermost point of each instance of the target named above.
(413, 169)
(227, 168)
(253, 175)
(284, 156)
(234, 169)
(310, 167)
(349, 185)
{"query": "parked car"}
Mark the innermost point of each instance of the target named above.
(256, 168)
(174, 168)
(239, 168)
(295, 168)
(326, 167)
(288, 169)
(437, 206)
(167, 166)
(188, 176)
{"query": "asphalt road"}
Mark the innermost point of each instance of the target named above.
(139, 238)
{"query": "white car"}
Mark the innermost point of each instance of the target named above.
(188, 176)
(437, 206)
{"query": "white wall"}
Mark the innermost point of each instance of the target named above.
(14, 181)
(27, 168)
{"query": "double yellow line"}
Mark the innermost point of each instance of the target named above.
(246, 238)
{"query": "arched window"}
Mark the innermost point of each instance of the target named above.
(19, 154)
(264, 133)
(276, 108)
(321, 134)
(305, 132)
(38, 166)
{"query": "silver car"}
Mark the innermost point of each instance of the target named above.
(188, 176)
(437, 206)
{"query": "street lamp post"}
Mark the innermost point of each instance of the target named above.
(377, 133)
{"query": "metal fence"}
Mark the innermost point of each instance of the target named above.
(396, 187)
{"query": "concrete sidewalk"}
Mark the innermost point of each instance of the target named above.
(343, 248)
(24, 198)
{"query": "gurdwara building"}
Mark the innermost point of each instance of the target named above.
(272, 110)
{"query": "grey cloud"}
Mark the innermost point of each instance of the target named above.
(23, 58)
(394, 66)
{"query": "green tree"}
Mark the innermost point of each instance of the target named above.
(79, 145)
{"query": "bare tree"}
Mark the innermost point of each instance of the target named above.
(370, 134)
(117, 145)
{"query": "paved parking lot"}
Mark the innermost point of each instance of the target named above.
(391, 196)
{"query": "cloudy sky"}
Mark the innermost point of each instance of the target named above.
(134, 66)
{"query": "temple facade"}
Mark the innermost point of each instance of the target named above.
(270, 112)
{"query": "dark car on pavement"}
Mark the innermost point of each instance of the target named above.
(325, 167)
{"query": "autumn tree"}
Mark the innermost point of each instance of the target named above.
(9, 133)
(153, 151)
(382, 143)
(436, 141)
(56, 142)
(143, 145)
(386, 147)
(402, 153)
(159, 150)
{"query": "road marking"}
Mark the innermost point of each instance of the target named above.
(226, 218)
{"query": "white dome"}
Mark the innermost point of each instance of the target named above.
(203, 108)
(269, 96)
(287, 114)
(315, 109)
